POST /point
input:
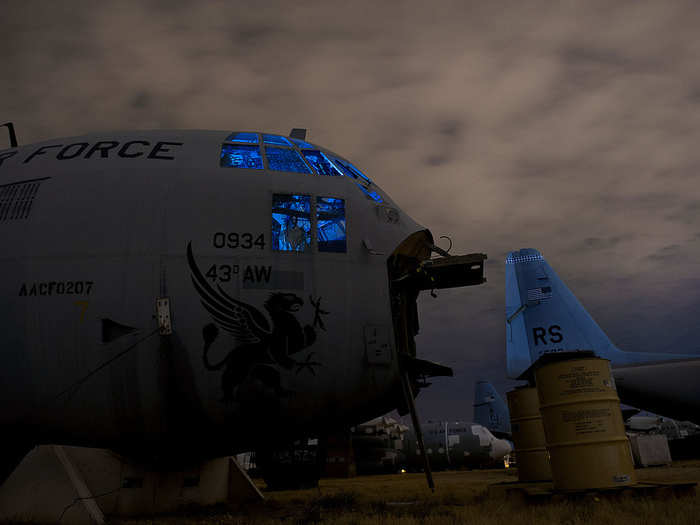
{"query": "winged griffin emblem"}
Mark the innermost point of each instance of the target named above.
(261, 349)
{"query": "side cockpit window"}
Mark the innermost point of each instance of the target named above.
(320, 163)
(241, 156)
(242, 153)
(291, 223)
(360, 178)
(352, 172)
(330, 216)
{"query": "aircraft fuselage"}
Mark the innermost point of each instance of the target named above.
(95, 229)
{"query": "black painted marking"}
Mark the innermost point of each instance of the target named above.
(6, 155)
(41, 151)
(24, 181)
(235, 240)
(540, 333)
(17, 199)
(555, 335)
(103, 149)
(55, 288)
(161, 148)
(72, 151)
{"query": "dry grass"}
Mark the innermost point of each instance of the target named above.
(461, 497)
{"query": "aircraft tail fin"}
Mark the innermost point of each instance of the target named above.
(490, 410)
(544, 316)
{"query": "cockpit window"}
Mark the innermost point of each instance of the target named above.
(371, 194)
(360, 179)
(352, 171)
(248, 138)
(275, 152)
(291, 222)
(276, 139)
(302, 144)
(330, 214)
(241, 156)
(320, 163)
(285, 159)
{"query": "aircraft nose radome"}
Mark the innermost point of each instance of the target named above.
(523, 255)
(500, 448)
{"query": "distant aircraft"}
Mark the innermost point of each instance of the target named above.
(490, 410)
(457, 444)
(378, 446)
(543, 316)
(671, 428)
(179, 295)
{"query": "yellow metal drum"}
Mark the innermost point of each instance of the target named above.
(583, 425)
(528, 435)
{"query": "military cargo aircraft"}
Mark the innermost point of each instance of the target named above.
(185, 294)
(455, 445)
(378, 446)
(544, 316)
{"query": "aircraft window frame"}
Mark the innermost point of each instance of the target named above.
(302, 144)
(294, 151)
(338, 171)
(247, 140)
(352, 172)
(363, 182)
(305, 215)
(251, 148)
(276, 140)
(334, 242)
(301, 148)
(370, 194)
(313, 244)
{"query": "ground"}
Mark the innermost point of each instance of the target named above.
(460, 497)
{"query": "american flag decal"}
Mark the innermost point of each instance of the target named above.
(539, 294)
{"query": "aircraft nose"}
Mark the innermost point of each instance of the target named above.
(500, 448)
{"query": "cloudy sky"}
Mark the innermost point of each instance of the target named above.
(570, 127)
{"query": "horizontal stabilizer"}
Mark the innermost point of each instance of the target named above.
(420, 367)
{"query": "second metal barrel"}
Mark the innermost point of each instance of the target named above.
(528, 435)
(583, 424)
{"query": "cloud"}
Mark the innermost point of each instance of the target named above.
(672, 251)
(570, 128)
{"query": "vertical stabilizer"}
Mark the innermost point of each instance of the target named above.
(543, 316)
(490, 410)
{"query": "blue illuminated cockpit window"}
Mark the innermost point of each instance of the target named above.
(371, 194)
(291, 222)
(360, 178)
(276, 139)
(241, 156)
(330, 214)
(285, 159)
(352, 171)
(320, 163)
(302, 144)
(248, 138)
